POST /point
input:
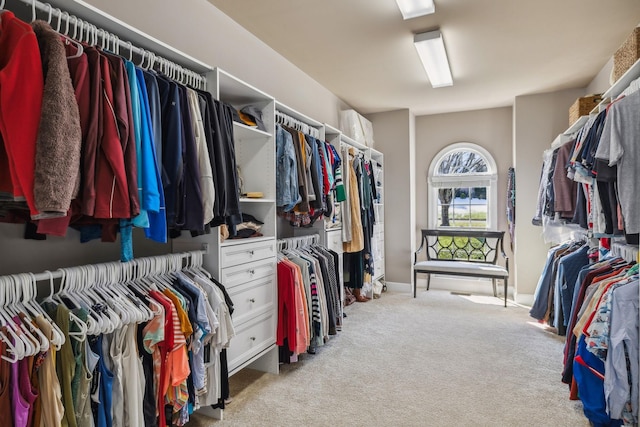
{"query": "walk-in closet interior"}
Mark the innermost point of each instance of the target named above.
(201, 198)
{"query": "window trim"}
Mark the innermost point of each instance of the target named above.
(485, 179)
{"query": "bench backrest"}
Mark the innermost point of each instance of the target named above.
(463, 245)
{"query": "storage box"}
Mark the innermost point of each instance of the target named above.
(626, 55)
(356, 127)
(583, 106)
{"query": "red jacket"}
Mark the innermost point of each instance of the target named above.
(21, 88)
(112, 187)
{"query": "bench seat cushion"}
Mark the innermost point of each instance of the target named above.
(462, 268)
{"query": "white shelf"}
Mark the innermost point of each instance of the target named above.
(352, 142)
(621, 84)
(256, 200)
(238, 93)
(576, 126)
(247, 133)
(330, 132)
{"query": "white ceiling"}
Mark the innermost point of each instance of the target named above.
(363, 51)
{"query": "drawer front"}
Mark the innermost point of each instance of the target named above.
(240, 254)
(334, 241)
(234, 276)
(251, 338)
(253, 298)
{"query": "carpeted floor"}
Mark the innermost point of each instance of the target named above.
(437, 360)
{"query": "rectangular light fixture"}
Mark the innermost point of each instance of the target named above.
(414, 8)
(433, 55)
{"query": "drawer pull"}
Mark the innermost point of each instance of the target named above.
(251, 253)
(252, 300)
(252, 272)
(252, 338)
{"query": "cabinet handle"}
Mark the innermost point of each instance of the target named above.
(252, 272)
(252, 300)
(252, 338)
(251, 253)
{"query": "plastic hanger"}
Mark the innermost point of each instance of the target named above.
(106, 323)
(82, 282)
(20, 346)
(67, 284)
(131, 313)
(49, 13)
(142, 55)
(11, 348)
(109, 272)
(58, 337)
(21, 318)
(33, 10)
(30, 307)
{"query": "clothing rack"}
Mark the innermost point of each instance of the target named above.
(286, 120)
(85, 32)
(623, 250)
(297, 242)
(112, 271)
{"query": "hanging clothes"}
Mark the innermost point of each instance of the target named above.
(356, 243)
(308, 300)
(181, 321)
(20, 110)
(137, 149)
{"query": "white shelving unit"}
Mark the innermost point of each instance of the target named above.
(377, 158)
(247, 267)
(284, 228)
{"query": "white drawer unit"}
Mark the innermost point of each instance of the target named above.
(243, 273)
(251, 338)
(240, 254)
(334, 240)
(253, 298)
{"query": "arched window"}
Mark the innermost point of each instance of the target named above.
(462, 188)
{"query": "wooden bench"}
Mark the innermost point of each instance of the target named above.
(469, 253)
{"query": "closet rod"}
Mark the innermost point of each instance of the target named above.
(304, 127)
(309, 239)
(57, 274)
(171, 68)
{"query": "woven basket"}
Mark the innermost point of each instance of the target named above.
(627, 54)
(583, 106)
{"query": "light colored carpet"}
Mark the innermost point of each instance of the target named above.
(437, 360)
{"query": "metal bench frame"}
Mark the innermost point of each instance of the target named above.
(485, 252)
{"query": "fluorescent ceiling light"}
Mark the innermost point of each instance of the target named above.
(414, 8)
(431, 50)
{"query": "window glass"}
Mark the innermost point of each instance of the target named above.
(462, 191)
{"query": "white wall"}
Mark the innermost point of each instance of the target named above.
(602, 80)
(537, 120)
(393, 136)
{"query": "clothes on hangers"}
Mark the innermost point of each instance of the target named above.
(159, 364)
(603, 348)
(606, 201)
(304, 176)
(106, 146)
(308, 300)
